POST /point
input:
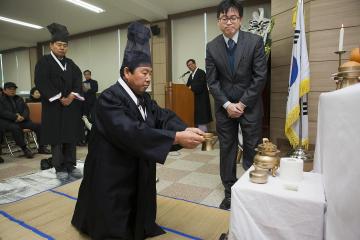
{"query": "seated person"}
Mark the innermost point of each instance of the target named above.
(14, 116)
(34, 96)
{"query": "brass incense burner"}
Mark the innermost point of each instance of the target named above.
(208, 144)
(267, 157)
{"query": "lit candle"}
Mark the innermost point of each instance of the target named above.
(341, 38)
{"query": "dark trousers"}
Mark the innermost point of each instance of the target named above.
(64, 157)
(16, 130)
(227, 130)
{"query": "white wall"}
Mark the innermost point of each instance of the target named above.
(16, 68)
(187, 42)
(99, 54)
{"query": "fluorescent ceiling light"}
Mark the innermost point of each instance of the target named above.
(20, 23)
(87, 6)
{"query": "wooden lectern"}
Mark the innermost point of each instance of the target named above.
(180, 99)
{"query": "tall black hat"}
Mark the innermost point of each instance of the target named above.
(58, 32)
(137, 49)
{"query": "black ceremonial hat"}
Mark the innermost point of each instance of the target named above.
(58, 32)
(137, 49)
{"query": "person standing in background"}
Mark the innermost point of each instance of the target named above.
(236, 74)
(59, 81)
(197, 83)
(90, 88)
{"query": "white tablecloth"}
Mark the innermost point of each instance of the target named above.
(337, 157)
(269, 211)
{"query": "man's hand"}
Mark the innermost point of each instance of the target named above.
(19, 118)
(195, 130)
(66, 101)
(235, 110)
(188, 139)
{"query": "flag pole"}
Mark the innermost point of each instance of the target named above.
(299, 152)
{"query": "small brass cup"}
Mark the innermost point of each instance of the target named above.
(208, 144)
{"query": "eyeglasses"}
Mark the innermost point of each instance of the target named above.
(225, 19)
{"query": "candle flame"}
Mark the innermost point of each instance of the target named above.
(342, 25)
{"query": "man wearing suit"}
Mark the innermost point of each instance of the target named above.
(90, 88)
(236, 74)
(197, 84)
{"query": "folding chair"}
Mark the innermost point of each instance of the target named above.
(29, 136)
(35, 112)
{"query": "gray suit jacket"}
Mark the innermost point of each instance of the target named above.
(248, 80)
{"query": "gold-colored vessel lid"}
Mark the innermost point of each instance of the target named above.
(267, 146)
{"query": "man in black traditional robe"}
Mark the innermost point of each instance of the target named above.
(131, 133)
(59, 81)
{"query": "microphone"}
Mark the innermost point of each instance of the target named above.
(185, 73)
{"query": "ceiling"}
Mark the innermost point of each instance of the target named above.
(78, 20)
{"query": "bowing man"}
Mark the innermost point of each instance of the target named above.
(131, 133)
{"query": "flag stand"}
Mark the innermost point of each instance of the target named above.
(299, 152)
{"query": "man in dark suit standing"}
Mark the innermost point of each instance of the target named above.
(197, 83)
(90, 88)
(236, 75)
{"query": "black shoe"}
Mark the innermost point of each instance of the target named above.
(28, 153)
(43, 150)
(223, 236)
(225, 204)
(1, 160)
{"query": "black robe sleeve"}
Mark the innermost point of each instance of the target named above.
(43, 81)
(120, 124)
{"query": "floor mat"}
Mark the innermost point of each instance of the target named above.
(17, 188)
(48, 215)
